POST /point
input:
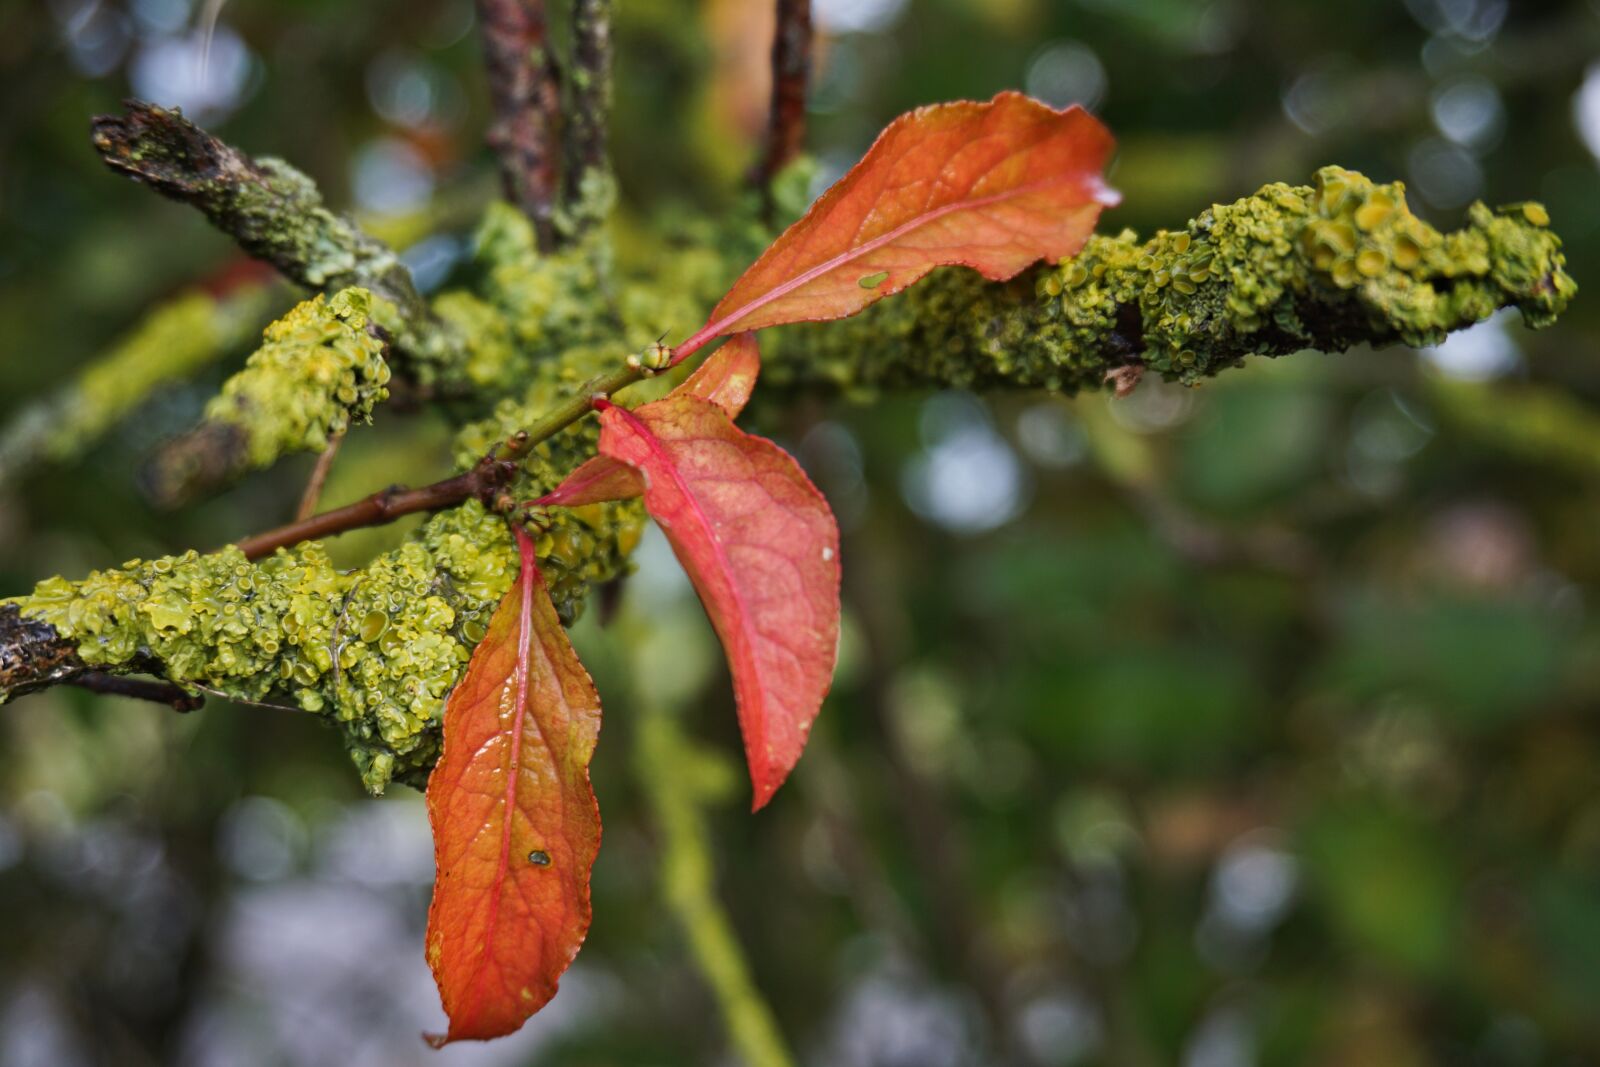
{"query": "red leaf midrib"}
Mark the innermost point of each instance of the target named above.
(720, 326)
(663, 459)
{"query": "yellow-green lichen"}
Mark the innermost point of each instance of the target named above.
(1326, 266)
(376, 649)
(318, 368)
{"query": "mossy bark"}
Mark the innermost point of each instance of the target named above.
(376, 650)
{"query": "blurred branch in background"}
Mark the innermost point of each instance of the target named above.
(791, 74)
(525, 91)
(589, 187)
(679, 780)
(174, 342)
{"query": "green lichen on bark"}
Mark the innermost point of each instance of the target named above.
(1327, 266)
(318, 368)
(277, 214)
(376, 650)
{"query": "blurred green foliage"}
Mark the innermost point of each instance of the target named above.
(1249, 724)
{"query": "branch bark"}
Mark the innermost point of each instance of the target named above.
(791, 71)
(588, 171)
(175, 697)
(525, 93)
(1252, 278)
(483, 482)
(275, 212)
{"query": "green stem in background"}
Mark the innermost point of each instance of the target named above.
(678, 780)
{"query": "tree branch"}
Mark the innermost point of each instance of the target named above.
(170, 344)
(525, 93)
(678, 781)
(1324, 267)
(482, 483)
(1289, 269)
(175, 697)
(275, 212)
(791, 71)
(312, 494)
(588, 170)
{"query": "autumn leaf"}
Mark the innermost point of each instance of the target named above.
(726, 378)
(992, 186)
(762, 549)
(515, 823)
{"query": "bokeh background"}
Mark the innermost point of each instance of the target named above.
(1251, 724)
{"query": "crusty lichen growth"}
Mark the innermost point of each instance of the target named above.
(376, 649)
(318, 368)
(1326, 266)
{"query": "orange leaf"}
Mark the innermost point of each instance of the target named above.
(992, 186)
(515, 823)
(726, 378)
(762, 550)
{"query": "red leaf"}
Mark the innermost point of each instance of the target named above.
(726, 378)
(992, 186)
(515, 823)
(594, 481)
(762, 550)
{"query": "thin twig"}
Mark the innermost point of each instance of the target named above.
(484, 481)
(791, 70)
(319, 478)
(525, 91)
(589, 110)
(174, 697)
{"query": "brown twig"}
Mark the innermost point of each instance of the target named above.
(319, 478)
(589, 109)
(791, 70)
(173, 696)
(525, 92)
(488, 477)
(484, 481)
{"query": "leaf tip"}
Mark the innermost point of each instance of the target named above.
(436, 1041)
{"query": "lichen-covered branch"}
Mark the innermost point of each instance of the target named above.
(375, 650)
(791, 71)
(1329, 266)
(275, 213)
(588, 182)
(319, 368)
(174, 341)
(525, 94)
